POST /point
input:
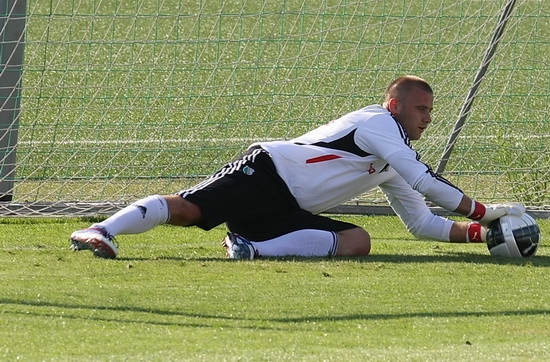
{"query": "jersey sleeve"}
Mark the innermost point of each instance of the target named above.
(384, 137)
(409, 205)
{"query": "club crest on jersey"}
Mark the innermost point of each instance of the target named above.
(371, 169)
(248, 170)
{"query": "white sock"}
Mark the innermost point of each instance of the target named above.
(307, 242)
(143, 215)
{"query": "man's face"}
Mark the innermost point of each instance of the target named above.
(412, 111)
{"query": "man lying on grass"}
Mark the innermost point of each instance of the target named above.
(271, 196)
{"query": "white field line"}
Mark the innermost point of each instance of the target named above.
(245, 141)
(162, 141)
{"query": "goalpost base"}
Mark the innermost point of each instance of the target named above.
(98, 209)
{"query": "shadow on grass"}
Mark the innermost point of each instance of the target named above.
(155, 314)
(448, 257)
(439, 257)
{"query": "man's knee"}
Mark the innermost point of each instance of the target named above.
(182, 211)
(353, 242)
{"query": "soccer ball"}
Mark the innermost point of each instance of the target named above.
(513, 236)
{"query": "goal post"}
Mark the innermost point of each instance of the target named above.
(470, 97)
(12, 36)
(123, 99)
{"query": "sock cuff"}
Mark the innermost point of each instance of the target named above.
(334, 248)
(157, 204)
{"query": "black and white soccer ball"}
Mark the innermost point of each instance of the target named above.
(513, 236)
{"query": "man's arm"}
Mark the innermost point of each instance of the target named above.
(421, 222)
(484, 215)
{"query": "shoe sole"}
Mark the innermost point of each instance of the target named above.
(99, 248)
(228, 244)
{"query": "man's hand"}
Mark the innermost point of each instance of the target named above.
(486, 214)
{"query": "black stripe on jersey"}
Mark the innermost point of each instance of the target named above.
(439, 177)
(429, 170)
(346, 144)
(403, 133)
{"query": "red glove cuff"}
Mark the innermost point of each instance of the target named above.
(475, 232)
(478, 211)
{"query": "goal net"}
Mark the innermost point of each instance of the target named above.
(123, 99)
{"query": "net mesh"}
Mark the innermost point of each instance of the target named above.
(122, 99)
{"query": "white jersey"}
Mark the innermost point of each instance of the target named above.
(356, 153)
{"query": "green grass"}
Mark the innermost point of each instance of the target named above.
(172, 90)
(171, 295)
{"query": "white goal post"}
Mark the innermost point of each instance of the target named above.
(116, 100)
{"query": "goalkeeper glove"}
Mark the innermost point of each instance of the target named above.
(486, 214)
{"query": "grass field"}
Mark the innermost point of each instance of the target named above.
(172, 296)
(124, 99)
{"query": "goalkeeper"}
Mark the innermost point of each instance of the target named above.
(271, 197)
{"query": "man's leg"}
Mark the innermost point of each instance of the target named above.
(316, 243)
(353, 242)
(150, 212)
(139, 217)
(248, 186)
(307, 242)
(298, 232)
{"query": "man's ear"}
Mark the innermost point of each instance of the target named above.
(393, 105)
